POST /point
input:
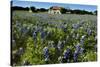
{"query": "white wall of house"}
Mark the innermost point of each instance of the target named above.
(54, 12)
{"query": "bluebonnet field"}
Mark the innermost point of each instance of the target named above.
(41, 38)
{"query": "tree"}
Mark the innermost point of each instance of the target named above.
(42, 9)
(63, 10)
(19, 8)
(95, 12)
(33, 8)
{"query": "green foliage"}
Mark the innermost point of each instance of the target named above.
(33, 48)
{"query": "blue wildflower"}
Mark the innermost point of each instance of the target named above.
(75, 26)
(78, 50)
(34, 35)
(75, 56)
(82, 39)
(67, 54)
(89, 31)
(81, 50)
(46, 53)
(24, 30)
(43, 34)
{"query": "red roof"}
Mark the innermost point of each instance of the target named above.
(56, 8)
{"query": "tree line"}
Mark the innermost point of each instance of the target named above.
(63, 10)
(34, 9)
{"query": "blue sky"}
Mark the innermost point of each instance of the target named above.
(48, 4)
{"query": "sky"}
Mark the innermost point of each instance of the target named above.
(48, 5)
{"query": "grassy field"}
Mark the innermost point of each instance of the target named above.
(41, 38)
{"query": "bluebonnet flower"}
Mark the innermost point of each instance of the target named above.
(24, 30)
(75, 56)
(78, 50)
(46, 53)
(64, 28)
(81, 50)
(81, 42)
(34, 35)
(18, 24)
(43, 34)
(18, 27)
(67, 53)
(75, 26)
(89, 31)
(66, 56)
(82, 39)
(76, 53)
(77, 47)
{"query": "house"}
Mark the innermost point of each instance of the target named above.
(54, 10)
